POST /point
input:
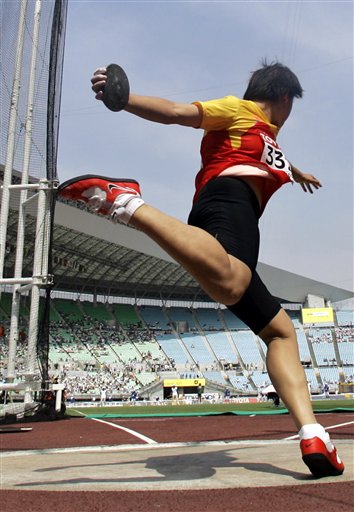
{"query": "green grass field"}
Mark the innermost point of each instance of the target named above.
(205, 409)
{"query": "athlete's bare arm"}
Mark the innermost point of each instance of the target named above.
(152, 108)
(164, 111)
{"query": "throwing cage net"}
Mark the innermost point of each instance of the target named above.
(32, 49)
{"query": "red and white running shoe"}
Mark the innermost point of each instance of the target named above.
(100, 192)
(320, 461)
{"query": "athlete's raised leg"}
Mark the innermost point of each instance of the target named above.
(223, 277)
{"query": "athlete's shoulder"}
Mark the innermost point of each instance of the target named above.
(227, 107)
(219, 113)
(230, 100)
(227, 101)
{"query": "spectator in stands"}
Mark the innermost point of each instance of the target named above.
(242, 166)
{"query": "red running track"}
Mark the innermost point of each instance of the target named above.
(82, 432)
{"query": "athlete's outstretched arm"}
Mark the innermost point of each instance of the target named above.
(307, 181)
(155, 109)
(164, 111)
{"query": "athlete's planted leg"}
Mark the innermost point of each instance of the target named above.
(289, 379)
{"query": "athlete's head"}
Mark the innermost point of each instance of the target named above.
(272, 82)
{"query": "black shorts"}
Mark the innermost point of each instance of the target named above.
(228, 209)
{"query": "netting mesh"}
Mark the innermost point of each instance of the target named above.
(47, 80)
(31, 63)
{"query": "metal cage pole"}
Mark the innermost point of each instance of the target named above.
(15, 309)
(5, 202)
(40, 265)
(34, 305)
(10, 151)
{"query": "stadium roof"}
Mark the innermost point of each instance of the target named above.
(92, 255)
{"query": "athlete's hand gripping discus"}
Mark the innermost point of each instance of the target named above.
(116, 90)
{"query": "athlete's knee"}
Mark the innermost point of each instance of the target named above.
(233, 287)
(234, 296)
(231, 293)
(279, 328)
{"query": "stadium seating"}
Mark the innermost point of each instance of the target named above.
(346, 351)
(222, 346)
(209, 319)
(126, 348)
(260, 378)
(181, 316)
(330, 376)
(150, 347)
(303, 345)
(345, 318)
(125, 314)
(174, 349)
(344, 334)
(154, 318)
(231, 321)
(240, 382)
(311, 378)
(198, 349)
(68, 309)
(245, 342)
(349, 373)
(5, 308)
(216, 376)
(96, 311)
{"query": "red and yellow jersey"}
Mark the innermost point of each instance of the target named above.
(238, 133)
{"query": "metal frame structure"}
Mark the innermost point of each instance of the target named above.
(36, 194)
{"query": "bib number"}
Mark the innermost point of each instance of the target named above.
(274, 157)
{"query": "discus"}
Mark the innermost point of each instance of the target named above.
(116, 90)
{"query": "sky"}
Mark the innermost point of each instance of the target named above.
(199, 50)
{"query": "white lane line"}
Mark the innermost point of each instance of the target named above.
(138, 447)
(146, 439)
(326, 428)
(79, 412)
(128, 430)
(340, 425)
(156, 446)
